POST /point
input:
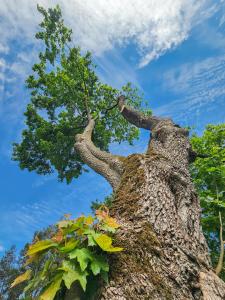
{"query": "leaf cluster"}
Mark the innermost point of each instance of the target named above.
(76, 251)
(208, 174)
(65, 90)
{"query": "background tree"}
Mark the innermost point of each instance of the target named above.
(166, 255)
(10, 268)
(208, 174)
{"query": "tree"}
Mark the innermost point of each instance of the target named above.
(166, 255)
(10, 268)
(208, 173)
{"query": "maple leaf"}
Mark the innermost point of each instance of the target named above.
(58, 238)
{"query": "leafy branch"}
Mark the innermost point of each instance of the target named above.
(76, 251)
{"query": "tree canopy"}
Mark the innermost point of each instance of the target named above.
(65, 92)
(208, 173)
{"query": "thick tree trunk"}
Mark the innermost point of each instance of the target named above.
(166, 255)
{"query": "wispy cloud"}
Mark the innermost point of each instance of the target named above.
(153, 26)
(199, 88)
(1, 248)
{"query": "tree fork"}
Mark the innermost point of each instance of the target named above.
(104, 163)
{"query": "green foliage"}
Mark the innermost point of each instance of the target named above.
(10, 268)
(64, 90)
(209, 177)
(107, 202)
(76, 251)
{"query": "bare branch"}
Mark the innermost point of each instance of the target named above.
(222, 242)
(137, 118)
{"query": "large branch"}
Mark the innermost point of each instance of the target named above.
(102, 162)
(136, 117)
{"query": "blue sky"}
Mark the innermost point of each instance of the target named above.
(172, 50)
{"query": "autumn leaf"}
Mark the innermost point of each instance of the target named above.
(102, 214)
(111, 222)
(23, 277)
(40, 246)
(64, 223)
(32, 258)
(67, 216)
(105, 243)
(89, 220)
(50, 292)
(58, 238)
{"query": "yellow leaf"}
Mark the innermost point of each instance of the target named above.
(105, 242)
(80, 219)
(31, 259)
(23, 277)
(111, 222)
(80, 231)
(40, 246)
(64, 223)
(89, 220)
(102, 213)
(50, 292)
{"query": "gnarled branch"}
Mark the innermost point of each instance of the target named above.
(104, 163)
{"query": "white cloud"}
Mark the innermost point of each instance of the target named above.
(200, 90)
(4, 49)
(154, 26)
(1, 248)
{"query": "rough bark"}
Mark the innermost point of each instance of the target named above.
(166, 255)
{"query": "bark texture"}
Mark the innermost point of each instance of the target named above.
(166, 255)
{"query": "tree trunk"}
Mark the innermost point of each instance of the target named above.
(165, 253)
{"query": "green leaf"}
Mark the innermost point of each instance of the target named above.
(105, 243)
(71, 275)
(90, 235)
(91, 240)
(83, 256)
(45, 269)
(40, 246)
(70, 245)
(53, 288)
(99, 264)
(105, 276)
(107, 228)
